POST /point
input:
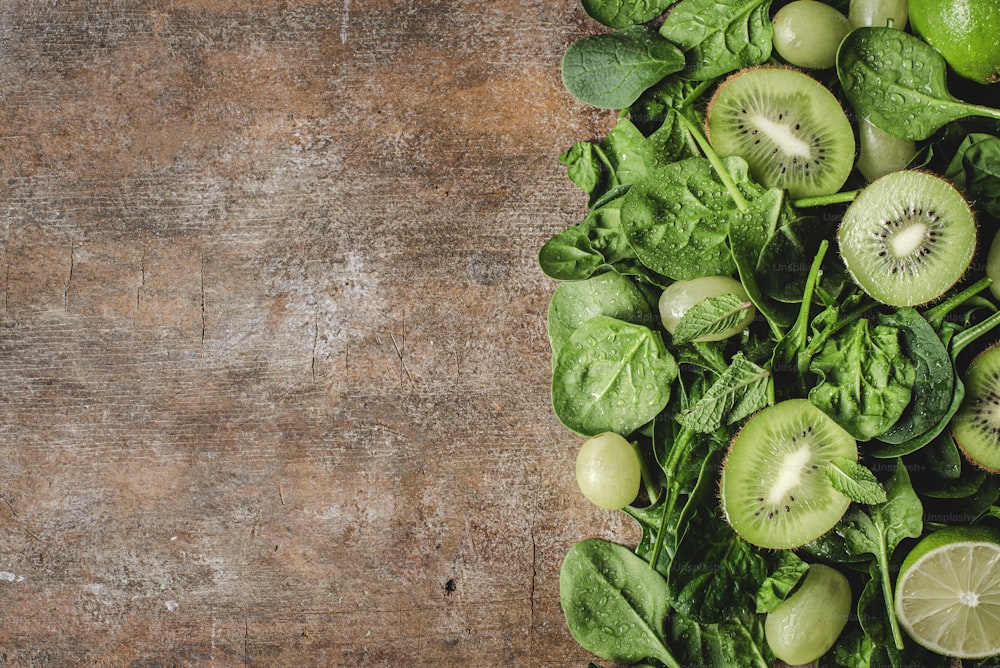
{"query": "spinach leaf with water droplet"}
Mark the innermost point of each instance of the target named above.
(898, 82)
(575, 302)
(611, 375)
(624, 13)
(615, 604)
(611, 70)
(865, 381)
(720, 36)
(677, 220)
(975, 169)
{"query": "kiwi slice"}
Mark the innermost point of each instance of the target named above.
(907, 238)
(976, 425)
(774, 490)
(789, 128)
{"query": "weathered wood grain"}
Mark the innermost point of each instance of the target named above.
(273, 366)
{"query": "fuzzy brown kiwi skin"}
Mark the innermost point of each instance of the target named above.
(975, 241)
(954, 437)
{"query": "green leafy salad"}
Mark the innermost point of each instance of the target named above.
(774, 332)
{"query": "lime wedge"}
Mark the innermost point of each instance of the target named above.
(948, 592)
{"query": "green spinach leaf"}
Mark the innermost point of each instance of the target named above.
(624, 13)
(615, 604)
(785, 576)
(932, 365)
(865, 380)
(898, 82)
(975, 169)
(623, 157)
(611, 375)
(738, 642)
(611, 70)
(720, 36)
(678, 219)
(575, 302)
(595, 245)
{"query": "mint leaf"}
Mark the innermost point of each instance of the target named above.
(854, 481)
(611, 70)
(712, 315)
(740, 391)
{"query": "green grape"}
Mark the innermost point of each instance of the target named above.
(609, 471)
(807, 33)
(864, 13)
(678, 298)
(879, 153)
(806, 624)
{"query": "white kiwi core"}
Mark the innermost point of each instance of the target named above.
(783, 136)
(790, 474)
(909, 240)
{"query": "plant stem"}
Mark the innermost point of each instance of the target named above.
(677, 450)
(716, 162)
(696, 93)
(936, 315)
(647, 478)
(883, 564)
(962, 339)
(989, 112)
(801, 325)
(824, 200)
(712, 356)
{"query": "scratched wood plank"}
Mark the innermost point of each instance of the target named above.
(273, 367)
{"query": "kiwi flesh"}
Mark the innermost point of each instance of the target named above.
(907, 238)
(789, 128)
(976, 425)
(774, 491)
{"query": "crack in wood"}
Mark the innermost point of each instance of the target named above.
(400, 348)
(315, 341)
(142, 279)
(69, 279)
(201, 277)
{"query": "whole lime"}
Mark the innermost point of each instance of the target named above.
(965, 32)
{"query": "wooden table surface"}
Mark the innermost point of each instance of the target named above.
(273, 362)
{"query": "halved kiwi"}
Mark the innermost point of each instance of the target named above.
(976, 425)
(774, 491)
(789, 128)
(907, 238)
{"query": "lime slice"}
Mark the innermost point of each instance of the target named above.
(948, 592)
